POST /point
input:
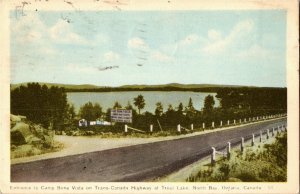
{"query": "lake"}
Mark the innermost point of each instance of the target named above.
(108, 99)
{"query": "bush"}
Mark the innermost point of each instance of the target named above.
(269, 165)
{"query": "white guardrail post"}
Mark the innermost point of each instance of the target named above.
(151, 128)
(228, 150)
(178, 128)
(242, 144)
(213, 156)
(126, 129)
(252, 141)
(260, 136)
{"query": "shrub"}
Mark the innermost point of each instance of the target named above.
(268, 165)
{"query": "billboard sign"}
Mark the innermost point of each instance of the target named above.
(121, 115)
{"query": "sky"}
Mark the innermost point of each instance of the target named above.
(114, 48)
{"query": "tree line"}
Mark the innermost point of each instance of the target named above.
(49, 107)
(42, 105)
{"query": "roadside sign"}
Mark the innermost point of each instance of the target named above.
(121, 115)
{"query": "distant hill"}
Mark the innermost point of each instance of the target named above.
(177, 85)
(159, 87)
(67, 86)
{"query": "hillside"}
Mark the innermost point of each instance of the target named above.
(177, 85)
(135, 87)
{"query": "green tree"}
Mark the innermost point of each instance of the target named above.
(108, 114)
(70, 114)
(71, 111)
(209, 103)
(129, 106)
(159, 109)
(41, 104)
(90, 112)
(139, 102)
(190, 108)
(117, 105)
(180, 108)
(170, 108)
(97, 111)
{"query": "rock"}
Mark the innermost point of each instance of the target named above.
(23, 128)
(48, 141)
(15, 118)
(16, 138)
(33, 140)
(39, 129)
(25, 132)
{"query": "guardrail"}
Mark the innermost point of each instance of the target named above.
(241, 141)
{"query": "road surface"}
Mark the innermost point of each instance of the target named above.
(133, 163)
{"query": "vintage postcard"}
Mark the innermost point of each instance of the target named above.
(133, 96)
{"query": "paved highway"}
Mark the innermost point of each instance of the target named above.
(133, 163)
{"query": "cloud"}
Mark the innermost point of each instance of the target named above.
(137, 43)
(101, 38)
(28, 28)
(214, 35)
(159, 56)
(61, 32)
(29, 37)
(217, 44)
(48, 51)
(188, 40)
(254, 52)
(186, 46)
(81, 68)
(111, 56)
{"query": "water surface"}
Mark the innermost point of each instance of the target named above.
(107, 99)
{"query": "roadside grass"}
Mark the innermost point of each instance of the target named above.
(118, 130)
(31, 150)
(264, 162)
(267, 164)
